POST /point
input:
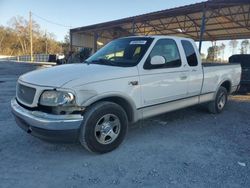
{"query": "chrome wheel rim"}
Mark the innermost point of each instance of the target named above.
(221, 101)
(107, 129)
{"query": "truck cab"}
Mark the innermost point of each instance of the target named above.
(179, 77)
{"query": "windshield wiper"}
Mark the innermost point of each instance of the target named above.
(103, 61)
(86, 62)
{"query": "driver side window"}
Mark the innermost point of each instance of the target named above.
(169, 50)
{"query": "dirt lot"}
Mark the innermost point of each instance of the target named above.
(186, 148)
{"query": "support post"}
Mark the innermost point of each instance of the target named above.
(95, 41)
(133, 27)
(203, 26)
(71, 41)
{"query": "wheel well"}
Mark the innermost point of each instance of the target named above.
(227, 85)
(123, 103)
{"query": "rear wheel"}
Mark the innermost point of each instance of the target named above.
(104, 127)
(218, 105)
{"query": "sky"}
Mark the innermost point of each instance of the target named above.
(79, 13)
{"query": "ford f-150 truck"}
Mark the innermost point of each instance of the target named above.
(127, 80)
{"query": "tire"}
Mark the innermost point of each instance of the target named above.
(104, 127)
(218, 105)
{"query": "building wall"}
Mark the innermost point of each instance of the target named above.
(82, 40)
(86, 41)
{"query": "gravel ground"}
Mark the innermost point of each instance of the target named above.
(185, 148)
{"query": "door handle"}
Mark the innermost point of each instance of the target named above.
(194, 70)
(183, 77)
(133, 83)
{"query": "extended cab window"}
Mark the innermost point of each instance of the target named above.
(190, 53)
(169, 50)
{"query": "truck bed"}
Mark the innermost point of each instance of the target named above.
(217, 72)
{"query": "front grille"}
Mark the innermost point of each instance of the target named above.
(25, 94)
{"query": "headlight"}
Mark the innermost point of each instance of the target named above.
(56, 98)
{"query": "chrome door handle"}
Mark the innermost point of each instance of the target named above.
(194, 70)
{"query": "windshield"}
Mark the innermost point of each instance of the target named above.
(122, 52)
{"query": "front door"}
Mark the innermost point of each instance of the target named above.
(163, 83)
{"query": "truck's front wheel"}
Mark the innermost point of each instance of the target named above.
(104, 127)
(217, 106)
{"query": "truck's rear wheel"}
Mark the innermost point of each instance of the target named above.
(104, 127)
(218, 105)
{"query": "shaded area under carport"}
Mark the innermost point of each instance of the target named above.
(206, 21)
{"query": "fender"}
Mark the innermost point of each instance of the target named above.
(218, 86)
(136, 114)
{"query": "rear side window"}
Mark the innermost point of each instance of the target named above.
(169, 50)
(190, 53)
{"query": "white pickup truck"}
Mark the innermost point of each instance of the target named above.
(127, 80)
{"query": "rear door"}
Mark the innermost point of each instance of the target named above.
(194, 68)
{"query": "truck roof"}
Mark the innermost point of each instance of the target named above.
(160, 37)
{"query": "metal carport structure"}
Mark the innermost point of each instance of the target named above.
(206, 21)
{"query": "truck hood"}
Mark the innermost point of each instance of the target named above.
(58, 76)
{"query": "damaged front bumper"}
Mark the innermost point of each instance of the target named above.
(47, 126)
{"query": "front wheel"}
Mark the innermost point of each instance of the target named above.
(218, 105)
(104, 127)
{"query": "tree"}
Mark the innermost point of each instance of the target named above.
(244, 46)
(14, 39)
(20, 27)
(66, 44)
(233, 44)
(213, 53)
(8, 40)
(2, 35)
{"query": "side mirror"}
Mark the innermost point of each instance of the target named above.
(157, 60)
